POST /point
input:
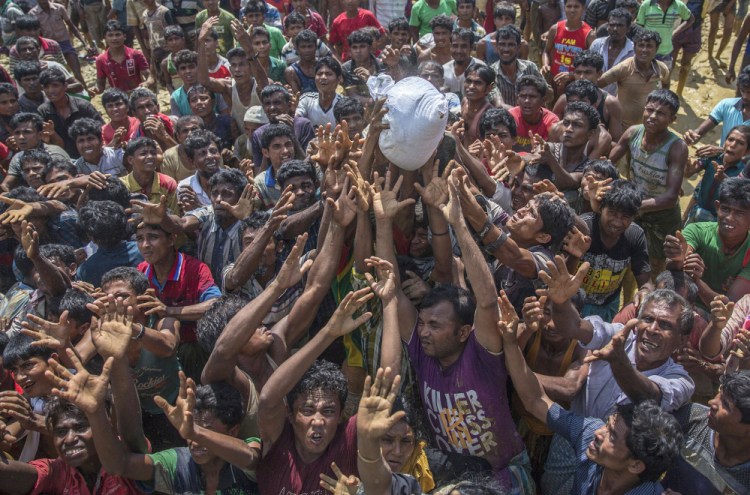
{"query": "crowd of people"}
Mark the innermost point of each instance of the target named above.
(240, 293)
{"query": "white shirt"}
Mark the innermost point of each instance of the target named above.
(455, 83)
(309, 107)
(194, 183)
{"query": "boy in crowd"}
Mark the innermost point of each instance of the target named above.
(121, 66)
(62, 110)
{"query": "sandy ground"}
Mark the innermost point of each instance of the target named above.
(705, 87)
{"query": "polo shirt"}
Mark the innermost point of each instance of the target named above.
(125, 75)
(110, 163)
(55, 477)
(189, 282)
(651, 17)
(80, 108)
(267, 188)
(303, 131)
(728, 112)
(161, 185)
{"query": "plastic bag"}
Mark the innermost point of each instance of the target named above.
(417, 114)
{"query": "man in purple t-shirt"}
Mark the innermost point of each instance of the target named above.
(457, 355)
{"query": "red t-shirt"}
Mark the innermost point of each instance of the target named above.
(56, 477)
(282, 470)
(189, 282)
(523, 141)
(126, 75)
(140, 132)
(568, 44)
(342, 26)
(108, 132)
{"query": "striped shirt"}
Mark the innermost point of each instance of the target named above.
(505, 86)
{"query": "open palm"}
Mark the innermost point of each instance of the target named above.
(83, 389)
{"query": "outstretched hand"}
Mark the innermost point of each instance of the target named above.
(83, 389)
(561, 285)
(374, 417)
(181, 414)
(615, 349)
(385, 285)
(508, 323)
(112, 331)
(291, 272)
(342, 321)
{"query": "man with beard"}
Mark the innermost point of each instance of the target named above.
(510, 68)
(277, 105)
(202, 149)
(217, 224)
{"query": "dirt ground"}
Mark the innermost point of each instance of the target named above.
(705, 87)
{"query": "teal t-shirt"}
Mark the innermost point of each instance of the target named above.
(422, 14)
(176, 473)
(721, 270)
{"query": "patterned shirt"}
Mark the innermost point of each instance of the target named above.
(217, 247)
(53, 22)
(505, 86)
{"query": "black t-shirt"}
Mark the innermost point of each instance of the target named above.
(516, 286)
(608, 266)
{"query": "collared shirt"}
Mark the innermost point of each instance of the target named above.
(216, 247)
(79, 108)
(728, 112)
(633, 88)
(267, 188)
(189, 282)
(505, 86)
(222, 28)
(110, 163)
(161, 185)
(125, 75)
(601, 394)
(601, 46)
(579, 431)
(49, 51)
(53, 22)
(193, 182)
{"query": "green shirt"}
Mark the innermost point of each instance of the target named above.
(277, 40)
(422, 14)
(223, 28)
(277, 71)
(653, 18)
(721, 270)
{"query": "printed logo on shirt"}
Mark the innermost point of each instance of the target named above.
(459, 422)
(130, 64)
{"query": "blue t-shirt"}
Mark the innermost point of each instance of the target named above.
(104, 259)
(728, 112)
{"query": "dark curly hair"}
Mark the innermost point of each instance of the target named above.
(323, 376)
(223, 400)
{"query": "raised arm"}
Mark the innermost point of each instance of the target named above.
(525, 381)
(271, 410)
(434, 194)
(231, 449)
(374, 419)
(386, 205)
(250, 257)
(222, 362)
(561, 287)
(634, 384)
(112, 334)
(385, 288)
(487, 311)
(52, 277)
(214, 85)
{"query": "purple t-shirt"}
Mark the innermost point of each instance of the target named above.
(467, 404)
